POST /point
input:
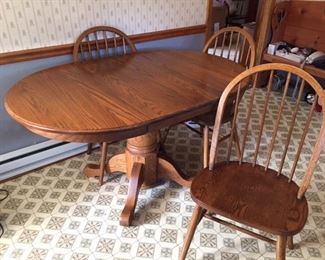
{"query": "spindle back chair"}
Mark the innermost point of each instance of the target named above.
(237, 45)
(96, 43)
(248, 191)
(101, 41)
(232, 43)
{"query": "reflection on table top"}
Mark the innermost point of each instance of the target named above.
(119, 97)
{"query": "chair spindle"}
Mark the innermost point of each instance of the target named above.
(292, 124)
(215, 45)
(248, 57)
(236, 49)
(223, 43)
(242, 50)
(97, 45)
(115, 44)
(233, 124)
(301, 143)
(89, 48)
(82, 53)
(276, 126)
(230, 43)
(106, 43)
(266, 103)
(250, 108)
(124, 47)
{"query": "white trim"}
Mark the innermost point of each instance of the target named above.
(30, 162)
(25, 150)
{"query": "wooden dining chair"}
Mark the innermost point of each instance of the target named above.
(249, 191)
(234, 44)
(101, 42)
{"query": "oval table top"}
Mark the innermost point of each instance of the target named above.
(119, 97)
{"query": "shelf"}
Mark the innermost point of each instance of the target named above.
(309, 68)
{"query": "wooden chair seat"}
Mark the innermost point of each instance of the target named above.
(253, 196)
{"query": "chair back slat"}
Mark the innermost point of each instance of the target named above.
(247, 57)
(319, 146)
(229, 46)
(101, 41)
(266, 104)
(237, 47)
(82, 53)
(248, 118)
(242, 50)
(124, 46)
(97, 45)
(115, 50)
(276, 126)
(215, 46)
(266, 142)
(223, 44)
(292, 124)
(89, 47)
(301, 143)
(106, 43)
(233, 124)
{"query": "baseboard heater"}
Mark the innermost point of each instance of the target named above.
(35, 156)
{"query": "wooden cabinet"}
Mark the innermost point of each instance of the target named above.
(302, 24)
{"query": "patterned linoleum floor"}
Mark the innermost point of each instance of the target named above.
(57, 213)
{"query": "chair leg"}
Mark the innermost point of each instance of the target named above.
(102, 163)
(281, 248)
(196, 217)
(90, 148)
(163, 134)
(290, 242)
(236, 139)
(205, 146)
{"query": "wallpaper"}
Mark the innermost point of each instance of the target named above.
(27, 24)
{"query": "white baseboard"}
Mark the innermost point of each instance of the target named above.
(35, 156)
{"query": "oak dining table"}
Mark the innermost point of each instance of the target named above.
(126, 97)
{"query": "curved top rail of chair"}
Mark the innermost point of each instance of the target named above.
(97, 29)
(277, 66)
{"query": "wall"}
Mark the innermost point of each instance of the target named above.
(41, 23)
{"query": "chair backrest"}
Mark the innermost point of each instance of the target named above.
(272, 133)
(101, 41)
(232, 43)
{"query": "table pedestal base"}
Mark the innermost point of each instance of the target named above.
(143, 166)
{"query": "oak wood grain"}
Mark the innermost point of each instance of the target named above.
(300, 23)
(120, 97)
(244, 200)
(135, 181)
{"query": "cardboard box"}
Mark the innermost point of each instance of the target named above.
(219, 16)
